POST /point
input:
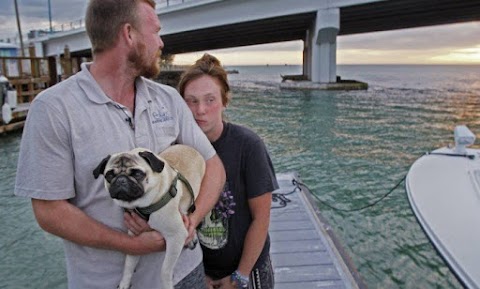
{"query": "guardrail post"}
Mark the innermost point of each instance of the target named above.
(67, 61)
(52, 70)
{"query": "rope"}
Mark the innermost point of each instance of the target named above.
(452, 155)
(355, 209)
(283, 201)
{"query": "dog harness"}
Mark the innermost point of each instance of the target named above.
(171, 193)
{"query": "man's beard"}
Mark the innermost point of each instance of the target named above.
(145, 68)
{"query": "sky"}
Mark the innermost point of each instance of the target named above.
(443, 44)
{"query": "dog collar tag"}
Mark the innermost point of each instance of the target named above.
(173, 191)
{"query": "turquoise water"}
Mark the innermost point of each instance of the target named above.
(350, 148)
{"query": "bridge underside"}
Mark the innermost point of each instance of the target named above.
(371, 17)
(400, 14)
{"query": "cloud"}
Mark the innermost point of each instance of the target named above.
(469, 55)
(424, 38)
(241, 57)
(34, 14)
(451, 36)
(35, 9)
(435, 44)
(277, 47)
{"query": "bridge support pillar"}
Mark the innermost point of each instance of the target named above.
(320, 57)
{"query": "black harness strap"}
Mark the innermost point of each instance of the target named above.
(171, 193)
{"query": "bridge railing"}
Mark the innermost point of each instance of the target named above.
(76, 24)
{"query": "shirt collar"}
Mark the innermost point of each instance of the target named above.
(94, 92)
(89, 85)
(143, 97)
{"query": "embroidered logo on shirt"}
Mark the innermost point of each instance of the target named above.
(161, 117)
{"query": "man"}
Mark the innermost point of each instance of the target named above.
(106, 108)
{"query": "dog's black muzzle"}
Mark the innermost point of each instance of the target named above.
(124, 189)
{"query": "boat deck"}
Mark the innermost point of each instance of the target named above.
(304, 251)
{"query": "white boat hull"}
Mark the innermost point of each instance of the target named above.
(444, 193)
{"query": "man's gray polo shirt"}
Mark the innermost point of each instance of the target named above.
(70, 128)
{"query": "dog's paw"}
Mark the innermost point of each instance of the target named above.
(192, 244)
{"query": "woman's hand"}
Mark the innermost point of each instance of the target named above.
(209, 282)
(224, 283)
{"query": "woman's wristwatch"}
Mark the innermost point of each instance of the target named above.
(239, 279)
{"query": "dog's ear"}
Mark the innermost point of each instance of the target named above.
(155, 163)
(101, 167)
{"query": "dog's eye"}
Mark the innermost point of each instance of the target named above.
(137, 174)
(109, 176)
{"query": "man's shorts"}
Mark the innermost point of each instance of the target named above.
(195, 280)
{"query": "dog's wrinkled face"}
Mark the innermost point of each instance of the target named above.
(127, 174)
(125, 178)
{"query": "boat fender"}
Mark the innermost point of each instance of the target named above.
(463, 138)
(12, 98)
(6, 113)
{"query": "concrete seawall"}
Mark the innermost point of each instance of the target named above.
(172, 77)
(301, 82)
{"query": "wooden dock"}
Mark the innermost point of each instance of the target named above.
(305, 253)
(19, 115)
(29, 76)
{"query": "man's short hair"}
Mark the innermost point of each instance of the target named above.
(104, 20)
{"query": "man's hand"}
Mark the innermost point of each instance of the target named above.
(148, 239)
(135, 223)
(148, 242)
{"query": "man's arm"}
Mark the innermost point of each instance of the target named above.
(64, 220)
(212, 185)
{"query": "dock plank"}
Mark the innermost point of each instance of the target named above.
(301, 259)
(291, 225)
(303, 255)
(294, 236)
(297, 246)
(313, 273)
(314, 284)
(289, 216)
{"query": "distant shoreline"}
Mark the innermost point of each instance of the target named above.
(293, 65)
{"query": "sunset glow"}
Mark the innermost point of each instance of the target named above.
(460, 56)
(344, 56)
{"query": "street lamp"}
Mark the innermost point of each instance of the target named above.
(19, 28)
(50, 16)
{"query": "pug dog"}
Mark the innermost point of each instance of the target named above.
(162, 186)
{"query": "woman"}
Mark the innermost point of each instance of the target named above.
(234, 236)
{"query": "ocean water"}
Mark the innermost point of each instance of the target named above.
(349, 147)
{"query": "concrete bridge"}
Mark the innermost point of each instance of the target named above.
(213, 24)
